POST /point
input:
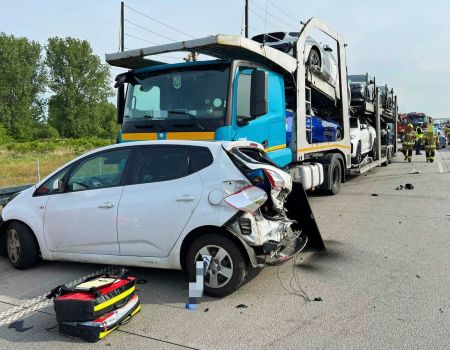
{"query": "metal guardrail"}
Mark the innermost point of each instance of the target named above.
(5, 193)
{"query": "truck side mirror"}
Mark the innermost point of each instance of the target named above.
(258, 94)
(120, 103)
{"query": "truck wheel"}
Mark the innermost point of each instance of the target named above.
(336, 177)
(227, 269)
(21, 246)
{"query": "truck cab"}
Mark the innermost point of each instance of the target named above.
(208, 100)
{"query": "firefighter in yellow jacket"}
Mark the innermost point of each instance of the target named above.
(408, 142)
(431, 142)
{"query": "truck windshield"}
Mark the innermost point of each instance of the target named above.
(194, 98)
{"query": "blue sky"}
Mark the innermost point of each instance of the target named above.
(403, 43)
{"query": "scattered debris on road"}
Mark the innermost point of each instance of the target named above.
(317, 299)
(374, 195)
(407, 186)
(414, 171)
(241, 306)
(417, 276)
(206, 310)
(18, 326)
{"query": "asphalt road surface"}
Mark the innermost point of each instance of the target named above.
(383, 283)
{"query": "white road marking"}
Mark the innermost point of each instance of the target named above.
(441, 168)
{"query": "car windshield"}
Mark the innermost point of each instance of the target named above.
(357, 78)
(195, 95)
(353, 123)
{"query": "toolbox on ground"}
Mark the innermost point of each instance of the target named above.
(94, 297)
(97, 329)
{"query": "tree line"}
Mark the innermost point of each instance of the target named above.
(57, 90)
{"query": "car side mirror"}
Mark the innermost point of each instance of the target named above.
(58, 185)
(258, 94)
(120, 103)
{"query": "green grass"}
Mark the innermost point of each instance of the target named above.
(19, 160)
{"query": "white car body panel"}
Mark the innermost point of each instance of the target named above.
(145, 226)
(74, 223)
(365, 136)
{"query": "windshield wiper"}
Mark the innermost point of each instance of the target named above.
(149, 117)
(190, 115)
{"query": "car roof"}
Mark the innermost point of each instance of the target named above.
(210, 144)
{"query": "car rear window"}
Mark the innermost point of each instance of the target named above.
(253, 155)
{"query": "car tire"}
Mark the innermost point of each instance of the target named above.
(374, 150)
(358, 156)
(314, 59)
(216, 283)
(21, 246)
(336, 177)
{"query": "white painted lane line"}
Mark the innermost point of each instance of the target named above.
(441, 168)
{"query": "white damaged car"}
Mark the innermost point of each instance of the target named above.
(161, 204)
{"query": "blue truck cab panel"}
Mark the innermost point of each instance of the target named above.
(268, 129)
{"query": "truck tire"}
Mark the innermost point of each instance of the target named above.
(217, 283)
(336, 176)
(21, 246)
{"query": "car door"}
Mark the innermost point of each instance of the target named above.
(82, 217)
(157, 204)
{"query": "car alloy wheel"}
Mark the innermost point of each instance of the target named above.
(13, 246)
(220, 269)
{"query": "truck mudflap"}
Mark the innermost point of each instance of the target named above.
(299, 210)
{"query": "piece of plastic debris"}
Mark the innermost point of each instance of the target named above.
(317, 299)
(241, 306)
(18, 326)
(409, 186)
(417, 276)
(401, 187)
(191, 306)
(414, 171)
(374, 195)
(206, 310)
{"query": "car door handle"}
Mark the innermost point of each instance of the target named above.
(106, 205)
(185, 198)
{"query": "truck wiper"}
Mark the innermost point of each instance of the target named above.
(190, 115)
(149, 117)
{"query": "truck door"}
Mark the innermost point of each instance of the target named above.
(268, 129)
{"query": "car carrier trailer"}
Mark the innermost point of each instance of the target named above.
(276, 81)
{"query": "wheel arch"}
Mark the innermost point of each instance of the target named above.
(245, 249)
(4, 228)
